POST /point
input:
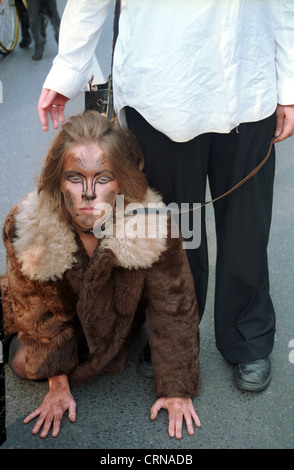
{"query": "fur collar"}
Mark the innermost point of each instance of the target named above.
(45, 246)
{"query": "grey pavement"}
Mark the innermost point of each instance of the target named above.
(113, 412)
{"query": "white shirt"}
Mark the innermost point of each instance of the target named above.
(188, 66)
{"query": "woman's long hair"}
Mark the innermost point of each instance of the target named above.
(120, 147)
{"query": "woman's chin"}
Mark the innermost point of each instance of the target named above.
(83, 227)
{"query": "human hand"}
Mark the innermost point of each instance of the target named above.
(56, 402)
(178, 408)
(284, 123)
(53, 104)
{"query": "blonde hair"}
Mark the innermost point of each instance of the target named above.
(120, 147)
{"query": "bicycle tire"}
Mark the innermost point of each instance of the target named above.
(9, 26)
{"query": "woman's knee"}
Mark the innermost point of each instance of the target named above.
(17, 358)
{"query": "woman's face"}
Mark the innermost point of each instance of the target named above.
(87, 180)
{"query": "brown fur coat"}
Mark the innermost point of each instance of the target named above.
(51, 286)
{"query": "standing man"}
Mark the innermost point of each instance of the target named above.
(205, 86)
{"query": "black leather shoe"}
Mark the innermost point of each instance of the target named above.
(253, 376)
(144, 365)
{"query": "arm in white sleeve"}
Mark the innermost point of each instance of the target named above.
(80, 30)
(283, 24)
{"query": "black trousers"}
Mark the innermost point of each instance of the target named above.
(244, 314)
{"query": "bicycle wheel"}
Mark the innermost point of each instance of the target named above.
(9, 26)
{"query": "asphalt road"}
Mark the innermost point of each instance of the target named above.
(113, 412)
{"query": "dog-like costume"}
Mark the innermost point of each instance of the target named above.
(52, 290)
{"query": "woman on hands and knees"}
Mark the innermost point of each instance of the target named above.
(83, 270)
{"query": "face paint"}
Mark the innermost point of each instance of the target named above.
(103, 177)
(88, 179)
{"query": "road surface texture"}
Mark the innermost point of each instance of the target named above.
(113, 412)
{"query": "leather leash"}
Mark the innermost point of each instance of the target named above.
(158, 210)
(252, 173)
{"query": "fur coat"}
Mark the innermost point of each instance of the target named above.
(52, 289)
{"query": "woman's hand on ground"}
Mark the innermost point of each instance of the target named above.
(178, 408)
(57, 401)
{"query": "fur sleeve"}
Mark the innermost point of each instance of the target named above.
(172, 318)
(39, 317)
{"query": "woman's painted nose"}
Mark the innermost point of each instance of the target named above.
(89, 196)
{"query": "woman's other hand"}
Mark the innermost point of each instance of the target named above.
(178, 408)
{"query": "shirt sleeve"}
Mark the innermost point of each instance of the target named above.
(283, 25)
(80, 29)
